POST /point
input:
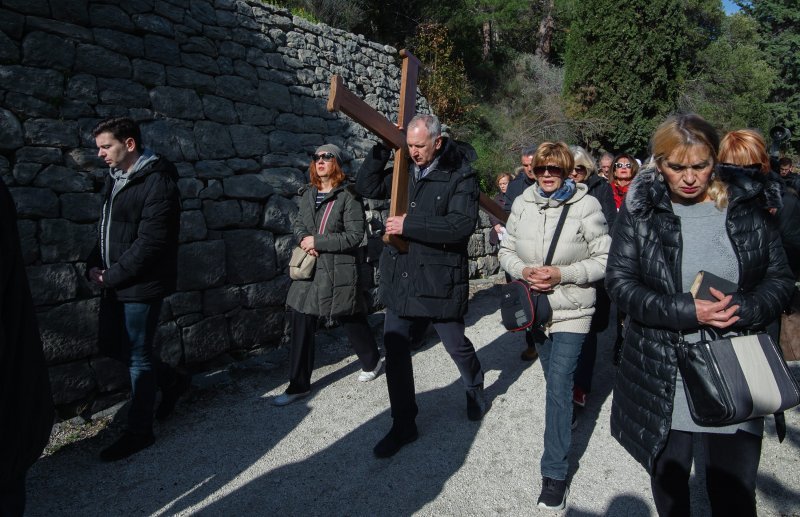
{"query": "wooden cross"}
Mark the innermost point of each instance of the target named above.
(342, 99)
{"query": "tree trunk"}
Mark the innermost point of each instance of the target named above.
(487, 39)
(544, 35)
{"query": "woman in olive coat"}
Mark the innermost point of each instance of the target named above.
(329, 226)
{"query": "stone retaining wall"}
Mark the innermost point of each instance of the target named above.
(234, 93)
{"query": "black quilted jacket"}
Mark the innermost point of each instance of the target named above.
(644, 278)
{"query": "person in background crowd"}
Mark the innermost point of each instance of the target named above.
(26, 406)
(515, 189)
(498, 227)
(625, 169)
(135, 263)
(584, 172)
(579, 261)
(606, 162)
(744, 151)
(330, 227)
(790, 179)
(431, 281)
(678, 219)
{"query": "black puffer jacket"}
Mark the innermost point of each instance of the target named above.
(601, 190)
(431, 280)
(139, 232)
(644, 279)
(334, 289)
(26, 408)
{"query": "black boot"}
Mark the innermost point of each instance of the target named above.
(476, 403)
(170, 395)
(399, 435)
(127, 444)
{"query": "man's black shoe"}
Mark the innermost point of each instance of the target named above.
(399, 435)
(554, 494)
(476, 404)
(128, 444)
(171, 394)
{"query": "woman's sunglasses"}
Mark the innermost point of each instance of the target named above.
(328, 157)
(620, 165)
(579, 170)
(553, 169)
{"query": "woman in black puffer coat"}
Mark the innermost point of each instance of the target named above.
(329, 226)
(678, 218)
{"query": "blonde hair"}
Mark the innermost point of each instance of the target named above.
(501, 176)
(557, 152)
(744, 147)
(679, 133)
(582, 157)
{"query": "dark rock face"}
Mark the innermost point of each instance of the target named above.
(234, 93)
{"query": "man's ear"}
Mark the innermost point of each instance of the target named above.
(130, 144)
(438, 143)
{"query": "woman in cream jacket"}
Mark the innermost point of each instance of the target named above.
(579, 260)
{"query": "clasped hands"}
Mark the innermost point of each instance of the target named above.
(307, 245)
(719, 314)
(543, 278)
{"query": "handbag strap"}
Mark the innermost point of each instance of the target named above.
(556, 235)
(324, 222)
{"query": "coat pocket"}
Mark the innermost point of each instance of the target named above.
(437, 276)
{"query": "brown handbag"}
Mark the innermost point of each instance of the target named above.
(790, 329)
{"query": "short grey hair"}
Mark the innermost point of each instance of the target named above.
(528, 151)
(582, 157)
(431, 123)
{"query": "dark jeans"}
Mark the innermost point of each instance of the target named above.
(731, 470)
(602, 311)
(127, 332)
(559, 357)
(12, 498)
(301, 361)
(400, 371)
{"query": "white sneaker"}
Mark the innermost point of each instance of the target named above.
(370, 376)
(285, 399)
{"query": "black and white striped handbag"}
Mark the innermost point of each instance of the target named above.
(732, 379)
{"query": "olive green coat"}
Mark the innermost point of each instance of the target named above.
(334, 289)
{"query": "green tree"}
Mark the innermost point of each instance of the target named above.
(733, 79)
(625, 63)
(779, 23)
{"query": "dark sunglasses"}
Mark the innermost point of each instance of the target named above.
(620, 165)
(579, 170)
(328, 157)
(553, 169)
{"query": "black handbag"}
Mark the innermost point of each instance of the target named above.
(521, 308)
(732, 379)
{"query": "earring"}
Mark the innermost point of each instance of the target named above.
(660, 177)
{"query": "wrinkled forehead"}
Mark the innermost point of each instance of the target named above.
(689, 153)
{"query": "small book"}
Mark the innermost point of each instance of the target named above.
(704, 280)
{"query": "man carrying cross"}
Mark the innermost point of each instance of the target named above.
(430, 281)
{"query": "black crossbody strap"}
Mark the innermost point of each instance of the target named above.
(556, 235)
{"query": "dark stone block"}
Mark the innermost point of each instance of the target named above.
(206, 339)
(222, 300)
(44, 155)
(258, 327)
(247, 186)
(82, 207)
(149, 73)
(271, 293)
(193, 226)
(34, 202)
(69, 331)
(219, 109)
(162, 50)
(43, 84)
(177, 102)
(213, 141)
(222, 214)
(47, 51)
(24, 173)
(118, 41)
(71, 382)
(201, 265)
(63, 179)
(249, 140)
(28, 241)
(110, 374)
(249, 256)
(65, 241)
(102, 62)
(279, 213)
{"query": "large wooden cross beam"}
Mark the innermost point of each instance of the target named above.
(342, 99)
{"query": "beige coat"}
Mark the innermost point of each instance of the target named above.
(580, 255)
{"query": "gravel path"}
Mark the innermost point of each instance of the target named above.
(227, 451)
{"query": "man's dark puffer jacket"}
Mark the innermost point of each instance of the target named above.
(644, 278)
(143, 241)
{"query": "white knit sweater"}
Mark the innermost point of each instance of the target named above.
(580, 255)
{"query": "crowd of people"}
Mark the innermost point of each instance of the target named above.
(587, 234)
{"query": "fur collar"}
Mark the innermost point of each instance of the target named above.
(648, 192)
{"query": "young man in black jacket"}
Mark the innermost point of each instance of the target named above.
(429, 283)
(135, 262)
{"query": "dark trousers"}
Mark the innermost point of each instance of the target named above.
(127, 332)
(397, 333)
(12, 498)
(602, 311)
(301, 361)
(731, 470)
